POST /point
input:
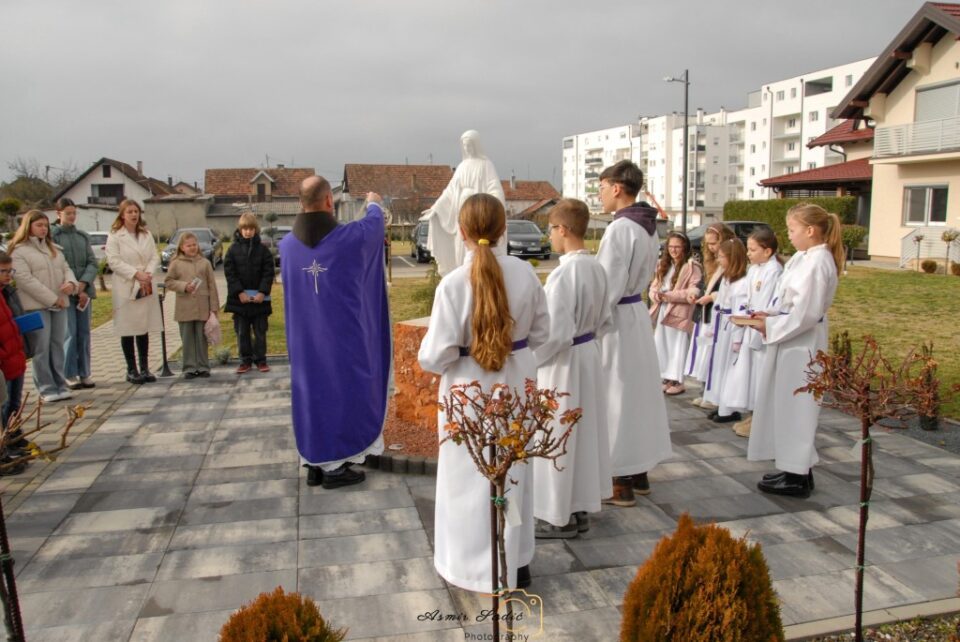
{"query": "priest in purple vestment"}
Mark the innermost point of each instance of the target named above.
(338, 335)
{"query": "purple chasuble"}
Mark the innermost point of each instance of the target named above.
(338, 338)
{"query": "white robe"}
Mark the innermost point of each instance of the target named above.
(731, 300)
(697, 363)
(462, 540)
(672, 344)
(472, 176)
(784, 424)
(636, 410)
(740, 389)
(577, 299)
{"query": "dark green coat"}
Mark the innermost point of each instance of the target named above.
(79, 254)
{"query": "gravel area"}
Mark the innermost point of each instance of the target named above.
(937, 629)
(403, 438)
(946, 437)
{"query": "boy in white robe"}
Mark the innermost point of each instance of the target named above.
(636, 411)
(570, 362)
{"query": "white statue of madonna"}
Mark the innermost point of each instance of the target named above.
(474, 175)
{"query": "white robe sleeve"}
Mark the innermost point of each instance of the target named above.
(560, 302)
(441, 345)
(614, 251)
(811, 298)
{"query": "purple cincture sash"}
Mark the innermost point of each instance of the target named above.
(517, 345)
(718, 312)
(633, 298)
(583, 338)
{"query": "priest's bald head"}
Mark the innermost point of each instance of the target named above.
(316, 195)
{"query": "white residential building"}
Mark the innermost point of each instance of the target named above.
(730, 151)
(585, 156)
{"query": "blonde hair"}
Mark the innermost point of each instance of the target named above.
(723, 233)
(248, 219)
(186, 236)
(482, 218)
(829, 226)
(572, 214)
(736, 255)
(23, 232)
(118, 222)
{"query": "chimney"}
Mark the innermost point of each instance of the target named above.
(280, 166)
(513, 181)
(169, 180)
(140, 168)
(700, 114)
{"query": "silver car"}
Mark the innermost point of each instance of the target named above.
(98, 240)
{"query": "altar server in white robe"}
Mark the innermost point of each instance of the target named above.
(741, 389)
(727, 339)
(488, 316)
(636, 410)
(795, 328)
(570, 362)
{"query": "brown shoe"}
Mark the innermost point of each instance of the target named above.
(622, 493)
(244, 368)
(641, 486)
(742, 428)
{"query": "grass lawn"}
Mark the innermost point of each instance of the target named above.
(901, 310)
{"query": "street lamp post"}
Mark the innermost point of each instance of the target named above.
(686, 146)
(165, 371)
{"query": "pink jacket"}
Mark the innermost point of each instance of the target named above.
(679, 313)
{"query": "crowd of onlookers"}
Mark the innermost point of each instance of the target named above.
(47, 277)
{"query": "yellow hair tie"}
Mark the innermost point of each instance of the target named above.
(483, 242)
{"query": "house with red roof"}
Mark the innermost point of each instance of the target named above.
(910, 98)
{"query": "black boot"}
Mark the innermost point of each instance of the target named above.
(523, 577)
(133, 375)
(143, 349)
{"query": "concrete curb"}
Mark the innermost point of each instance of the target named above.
(844, 623)
(406, 464)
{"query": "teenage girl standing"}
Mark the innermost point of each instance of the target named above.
(488, 316)
(795, 328)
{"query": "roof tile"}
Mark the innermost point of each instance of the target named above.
(236, 181)
(851, 171)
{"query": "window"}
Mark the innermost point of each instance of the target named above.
(848, 80)
(106, 171)
(753, 126)
(790, 169)
(763, 145)
(793, 92)
(716, 141)
(568, 144)
(791, 147)
(715, 160)
(791, 123)
(753, 149)
(751, 193)
(811, 166)
(925, 205)
(763, 168)
(764, 122)
(753, 171)
(938, 103)
(781, 95)
(814, 116)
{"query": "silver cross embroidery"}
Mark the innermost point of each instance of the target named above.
(315, 269)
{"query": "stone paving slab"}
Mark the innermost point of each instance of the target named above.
(183, 502)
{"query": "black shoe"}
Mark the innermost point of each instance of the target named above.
(203, 373)
(314, 476)
(343, 477)
(87, 384)
(148, 377)
(725, 419)
(75, 386)
(641, 485)
(777, 475)
(790, 485)
(15, 469)
(523, 577)
(189, 375)
(583, 521)
(134, 377)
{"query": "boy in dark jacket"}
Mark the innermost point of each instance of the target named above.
(13, 361)
(248, 267)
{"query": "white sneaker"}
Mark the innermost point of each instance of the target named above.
(697, 401)
(65, 395)
(706, 405)
(51, 398)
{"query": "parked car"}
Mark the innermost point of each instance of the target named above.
(525, 239)
(272, 242)
(98, 240)
(418, 243)
(211, 247)
(742, 230)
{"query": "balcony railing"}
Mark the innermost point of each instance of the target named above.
(104, 200)
(928, 137)
(593, 161)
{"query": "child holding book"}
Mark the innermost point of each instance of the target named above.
(727, 336)
(13, 361)
(488, 316)
(249, 269)
(191, 277)
(740, 390)
(794, 329)
(570, 362)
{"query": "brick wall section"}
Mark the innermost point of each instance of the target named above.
(416, 397)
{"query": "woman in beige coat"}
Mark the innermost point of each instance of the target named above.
(191, 277)
(132, 255)
(44, 283)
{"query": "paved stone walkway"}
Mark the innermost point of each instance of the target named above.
(181, 501)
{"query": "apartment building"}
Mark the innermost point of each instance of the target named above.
(730, 152)
(585, 156)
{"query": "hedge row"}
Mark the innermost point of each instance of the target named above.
(774, 213)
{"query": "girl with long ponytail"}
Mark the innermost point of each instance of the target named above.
(794, 327)
(488, 316)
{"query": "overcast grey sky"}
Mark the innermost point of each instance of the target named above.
(185, 85)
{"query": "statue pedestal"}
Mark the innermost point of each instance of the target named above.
(417, 391)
